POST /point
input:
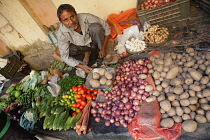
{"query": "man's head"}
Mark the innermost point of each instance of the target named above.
(68, 16)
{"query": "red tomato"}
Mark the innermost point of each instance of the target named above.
(77, 96)
(94, 97)
(88, 91)
(81, 107)
(84, 95)
(78, 105)
(74, 104)
(78, 100)
(78, 110)
(83, 103)
(95, 91)
(89, 97)
(82, 91)
(74, 113)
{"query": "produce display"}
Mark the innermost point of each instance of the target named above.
(182, 87)
(129, 89)
(156, 34)
(151, 4)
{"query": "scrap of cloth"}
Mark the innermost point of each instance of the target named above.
(119, 22)
(146, 124)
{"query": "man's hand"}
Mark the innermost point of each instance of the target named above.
(102, 53)
(85, 68)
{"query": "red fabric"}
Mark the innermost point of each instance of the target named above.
(119, 22)
(146, 124)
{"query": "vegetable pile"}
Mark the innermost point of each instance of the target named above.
(156, 34)
(151, 4)
(182, 87)
(129, 89)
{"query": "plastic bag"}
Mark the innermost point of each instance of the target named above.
(54, 89)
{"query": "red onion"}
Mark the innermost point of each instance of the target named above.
(128, 105)
(107, 123)
(97, 119)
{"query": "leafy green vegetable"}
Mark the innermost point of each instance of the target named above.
(32, 81)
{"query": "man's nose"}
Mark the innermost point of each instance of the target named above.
(70, 21)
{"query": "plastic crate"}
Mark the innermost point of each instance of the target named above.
(166, 14)
(14, 63)
(204, 4)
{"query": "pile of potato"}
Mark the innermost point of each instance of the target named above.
(182, 87)
(100, 78)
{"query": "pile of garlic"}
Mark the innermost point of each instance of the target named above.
(135, 45)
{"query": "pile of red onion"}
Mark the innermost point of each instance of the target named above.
(150, 4)
(123, 101)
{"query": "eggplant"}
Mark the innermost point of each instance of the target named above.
(22, 110)
(16, 117)
(14, 111)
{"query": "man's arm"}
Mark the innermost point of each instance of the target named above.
(103, 52)
(85, 68)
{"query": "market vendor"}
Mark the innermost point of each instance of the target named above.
(81, 37)
(10, 130)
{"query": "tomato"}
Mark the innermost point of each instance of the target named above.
(74, 113)
(78, 100)
(78, 110)
(74, 104)
(89, 97)
(78, 105)
(84, 95)
(88, 90)
(81, 107)
(92, 89)
(79, 88)
(77, 96)
(82, 91)
(95, 91)
(75, 89)
(83, 103)
(94, 97)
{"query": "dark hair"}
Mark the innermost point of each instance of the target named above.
(65, 7)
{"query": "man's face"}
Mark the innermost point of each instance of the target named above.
(69, 19)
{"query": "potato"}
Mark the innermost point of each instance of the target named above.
(178, 90)
(207, 70)
(179, 111)
(175, 103)
(190, 50)
(199, 95)
(171, 96)
(157, 82)
(159, 88)
(205, 106)
(102, 71)
(207, 55)
(168, 61)
(196, 75)
(103, 80)
(208, 116)
(108, 82)
(96, 75)
(167, 122)
(156, 75)
(163, 74)
(148, 88)
(184, 102)
(159, 68)
(151, 99)
(188, 81)
(192, 107)
(96, 84)
(192, 93)
(164, 84)
(166, 69)
(189, 64)
(208, 98)
(205, 93)
(186, 110)
(200, 111)
(177, 119)
(193, 100)
(164, 115)
(142, 76)
(186, 117)
(172, 73)
(165, 105)
(203, 101)
(156, 93)
(108, 75)
(171, 112)
(161, 98)
(192, 115)
(175, 82)
(200, 118)
(149, 66)
(184, 95)
(202, 67)
(159, 61)
(195, 87)
(162, 111)
(189, 125)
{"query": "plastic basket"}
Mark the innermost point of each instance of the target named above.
(166, 14)
(204, 4)
(12, 67)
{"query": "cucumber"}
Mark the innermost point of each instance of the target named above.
(59, 110)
